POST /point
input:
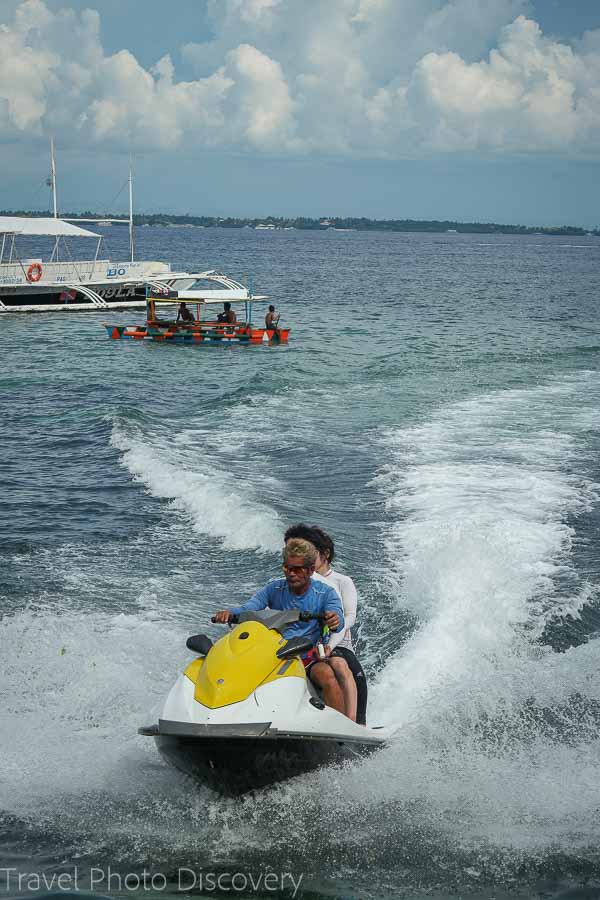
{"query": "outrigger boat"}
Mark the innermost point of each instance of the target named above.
(243, 714)
(62, 281)
(204, 328)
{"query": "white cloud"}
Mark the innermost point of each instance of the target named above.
(249, 12)
(527, 97)
(260, 107)
(345, 77)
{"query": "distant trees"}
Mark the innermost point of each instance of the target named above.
(324, 222)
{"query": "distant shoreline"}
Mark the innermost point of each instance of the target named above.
(336, 223)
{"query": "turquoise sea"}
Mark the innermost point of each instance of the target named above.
(437, 410)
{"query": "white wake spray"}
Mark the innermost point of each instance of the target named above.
(496, 734)
(187, 469)
(482, 505)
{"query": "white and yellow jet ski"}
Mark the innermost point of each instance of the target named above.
(243, 714)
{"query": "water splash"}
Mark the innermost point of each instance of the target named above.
(493, 727)
(183, 467)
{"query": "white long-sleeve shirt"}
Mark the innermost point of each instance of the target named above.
(346, 588)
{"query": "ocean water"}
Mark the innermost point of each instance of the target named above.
(438, 411)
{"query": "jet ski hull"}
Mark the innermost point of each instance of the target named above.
(234, 761)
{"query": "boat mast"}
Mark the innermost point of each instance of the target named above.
(53, 176)
(131, 207)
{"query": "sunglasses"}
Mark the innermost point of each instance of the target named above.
(294, 570)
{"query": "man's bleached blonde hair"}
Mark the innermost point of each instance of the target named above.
(298, 547)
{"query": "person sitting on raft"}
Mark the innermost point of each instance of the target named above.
(298, 591)
(184, 314)
(227, 317)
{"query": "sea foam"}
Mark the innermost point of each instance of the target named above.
(179, 466)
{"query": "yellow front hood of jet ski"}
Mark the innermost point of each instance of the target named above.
(238, 663)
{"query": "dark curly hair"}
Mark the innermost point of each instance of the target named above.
(302, 531)
(315, 535)
(324, 543)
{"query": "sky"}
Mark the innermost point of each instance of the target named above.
(469, 110)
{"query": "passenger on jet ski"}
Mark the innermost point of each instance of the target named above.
(341, 646)
(298, 591)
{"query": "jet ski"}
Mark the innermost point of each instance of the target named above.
(243, 715)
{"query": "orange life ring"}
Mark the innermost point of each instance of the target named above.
(34, 272)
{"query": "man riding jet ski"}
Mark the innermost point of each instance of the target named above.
(298, 591)
(244, 714)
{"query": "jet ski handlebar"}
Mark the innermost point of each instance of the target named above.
(234, 618)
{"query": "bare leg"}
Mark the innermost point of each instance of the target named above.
(346, 681)
(323, 676)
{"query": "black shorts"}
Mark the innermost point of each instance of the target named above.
(360, 679)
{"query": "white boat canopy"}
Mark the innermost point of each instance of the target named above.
(215, 296)
(49, 227)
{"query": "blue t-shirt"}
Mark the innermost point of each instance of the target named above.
(318, 599)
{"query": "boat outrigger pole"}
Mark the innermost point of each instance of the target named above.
(53, 176)
(131, 207)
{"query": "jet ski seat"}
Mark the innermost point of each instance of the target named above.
(199, 643)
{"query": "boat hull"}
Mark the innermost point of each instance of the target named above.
(198, 335)
(72, 300)
(234, 764)
(81, 285)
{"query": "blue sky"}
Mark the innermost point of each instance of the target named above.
(482, 110)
